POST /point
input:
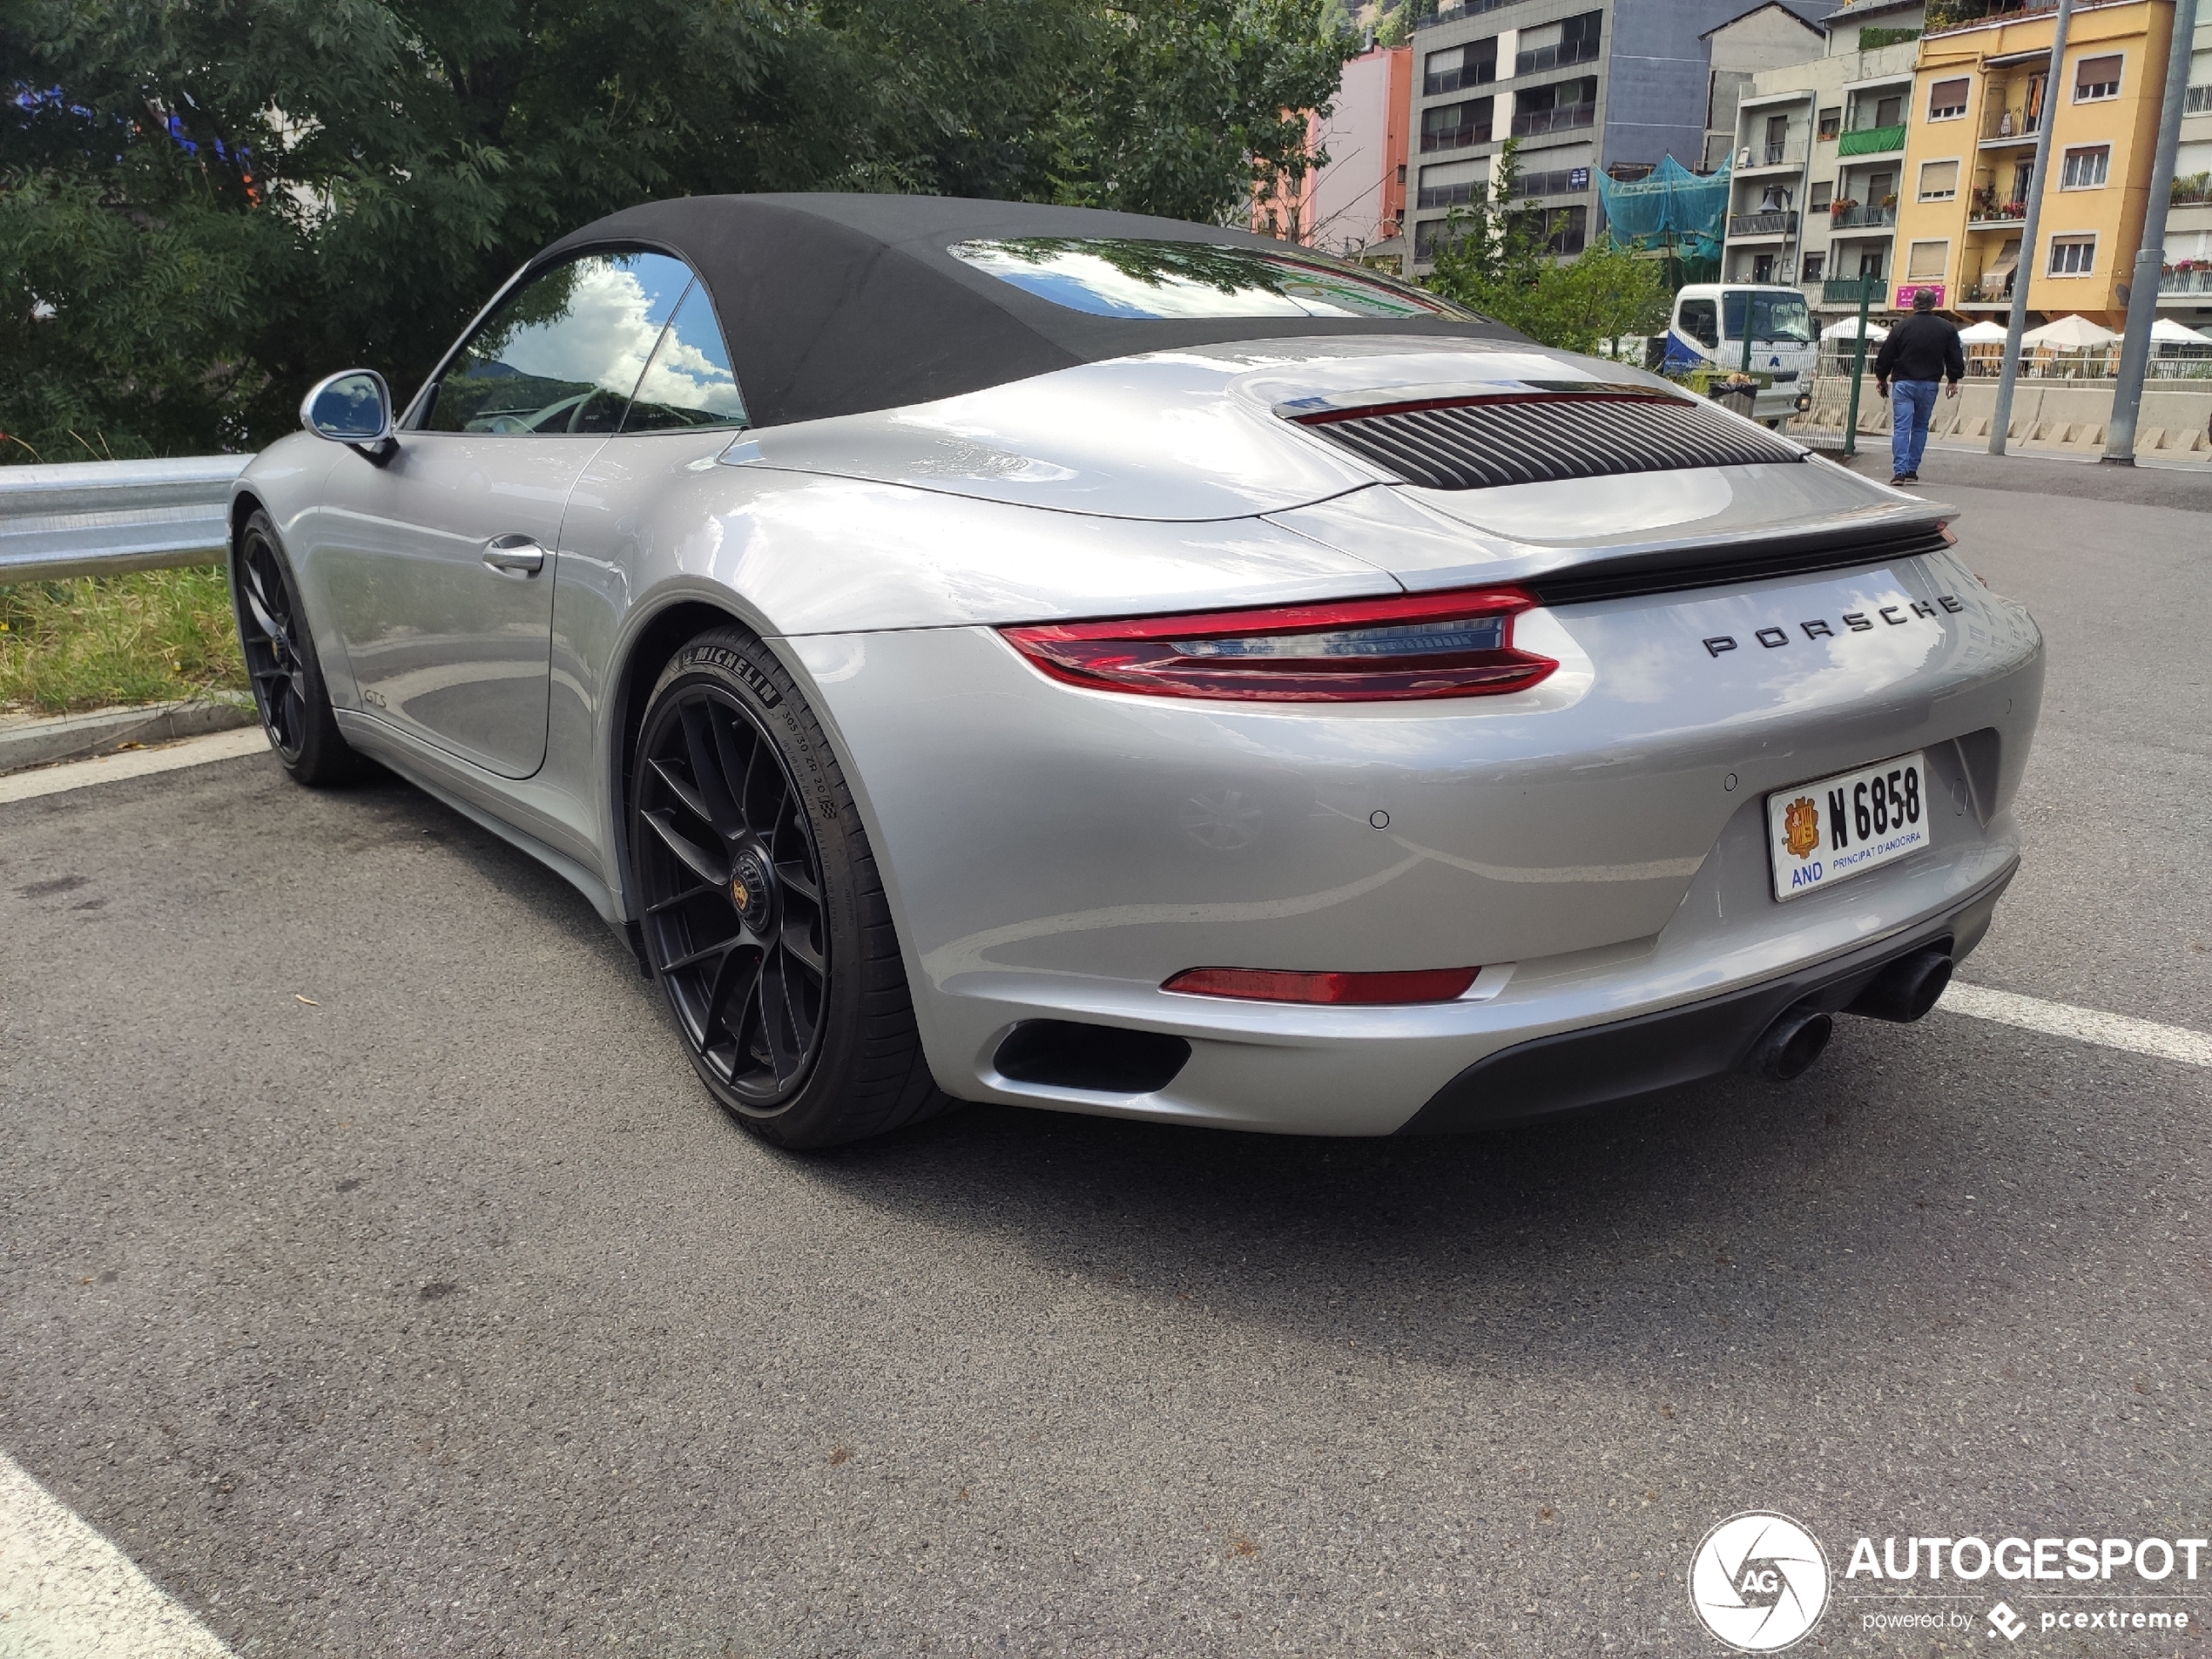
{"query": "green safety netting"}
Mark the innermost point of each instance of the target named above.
(1673, 203)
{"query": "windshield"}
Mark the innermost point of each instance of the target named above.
(1114, 276)
(1782, 318)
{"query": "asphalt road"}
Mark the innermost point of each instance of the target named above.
(442, 1313)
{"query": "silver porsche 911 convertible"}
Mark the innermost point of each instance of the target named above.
(993, 652)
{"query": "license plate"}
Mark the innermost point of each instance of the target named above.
(1820, 833)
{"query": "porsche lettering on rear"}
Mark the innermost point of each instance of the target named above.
(1774, 637)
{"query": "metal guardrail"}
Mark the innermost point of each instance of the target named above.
(102, 517)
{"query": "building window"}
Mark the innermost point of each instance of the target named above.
(1948, 99)
(1559, 107)
(1558, 45)
(1889, 111)
(1454, 127)
(2073, 255)
(1453, 184)
(1559, 181)
(1925, 260)
(2096, 77)
(1816, 266)
(2086, 168)
(1831, 122)
(1569, 230)
(1939, 180)
(1870, 263)
(1628, 172)
(1458, 66)
(1762, 267)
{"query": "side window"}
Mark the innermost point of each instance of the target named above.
(1700, 321)
(565, 352)
(689, 382)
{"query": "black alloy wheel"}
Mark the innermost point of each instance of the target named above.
(288, 688)
(271, 639)
(764, 916)
(732, 882)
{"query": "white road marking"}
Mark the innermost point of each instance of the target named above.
(134, 763)
(65, 1592)
(2084, 1025)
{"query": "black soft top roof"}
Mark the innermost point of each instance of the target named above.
(837, 304)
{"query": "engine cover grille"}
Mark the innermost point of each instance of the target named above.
(1522, 438)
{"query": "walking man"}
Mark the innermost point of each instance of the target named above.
(1919, 354)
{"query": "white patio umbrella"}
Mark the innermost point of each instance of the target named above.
(1983, 333)
(1848, 329)
(2070, 333)
(2166, 331)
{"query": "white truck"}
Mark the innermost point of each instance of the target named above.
(1707, 328)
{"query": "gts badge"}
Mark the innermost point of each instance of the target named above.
(1855, 622)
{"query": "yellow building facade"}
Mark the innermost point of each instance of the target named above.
(1980, 102)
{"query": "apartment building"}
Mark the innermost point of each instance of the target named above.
(1354, 204)
(1582, 87)
(1981, 100)
(2185, 285)
(1820, 149)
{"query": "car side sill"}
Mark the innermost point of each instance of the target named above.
(388, 751)
(1597, 1065)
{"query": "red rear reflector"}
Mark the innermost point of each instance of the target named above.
(1358, 650)
(1273, 985)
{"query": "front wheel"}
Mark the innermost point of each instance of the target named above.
(288, 689)
(764, 917)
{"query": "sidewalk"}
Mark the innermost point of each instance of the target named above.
(2184, 488)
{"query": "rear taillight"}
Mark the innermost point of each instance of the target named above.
(1283, 985)
(1359, 650)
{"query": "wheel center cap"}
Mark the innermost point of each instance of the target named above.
(749, 888)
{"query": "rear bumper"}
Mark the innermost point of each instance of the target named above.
(1598, 1065)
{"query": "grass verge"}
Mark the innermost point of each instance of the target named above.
(148, 637)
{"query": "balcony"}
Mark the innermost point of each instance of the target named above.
(2199, 101)
(2195, 188)
(1762, 224)
(2189, 277)
(1457, 138)
(1857, 217)
(2010, 126)
(1535, 123)
(1848, 291)
(1790, 153)
(1944, 16)
(1872, 141)
(1563, 56)
(2010, 216)
(1460, 8)
(1458, 80)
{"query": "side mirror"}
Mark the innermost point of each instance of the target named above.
(352, 407)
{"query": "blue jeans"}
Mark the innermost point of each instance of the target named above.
(1912, 403)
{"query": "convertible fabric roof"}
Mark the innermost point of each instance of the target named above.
(839, 304)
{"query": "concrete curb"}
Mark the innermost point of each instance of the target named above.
(38, 741)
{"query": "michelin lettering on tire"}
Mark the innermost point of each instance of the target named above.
(1759, 1582)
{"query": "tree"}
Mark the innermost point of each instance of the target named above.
(206, 204)
(1497, 255)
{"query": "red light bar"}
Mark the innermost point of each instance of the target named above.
(1404, 647)
(1278, 985)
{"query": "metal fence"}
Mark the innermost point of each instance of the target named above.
(99, 517)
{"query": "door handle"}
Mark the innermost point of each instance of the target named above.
(516, 555)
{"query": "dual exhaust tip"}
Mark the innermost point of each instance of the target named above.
(1902, 991)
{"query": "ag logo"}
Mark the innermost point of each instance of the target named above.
(1759, 1582)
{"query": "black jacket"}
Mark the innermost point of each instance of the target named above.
(1922, 347)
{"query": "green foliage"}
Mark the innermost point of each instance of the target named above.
(146, 637)
(1495, 256)
(1873, 39)
(205, 204)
